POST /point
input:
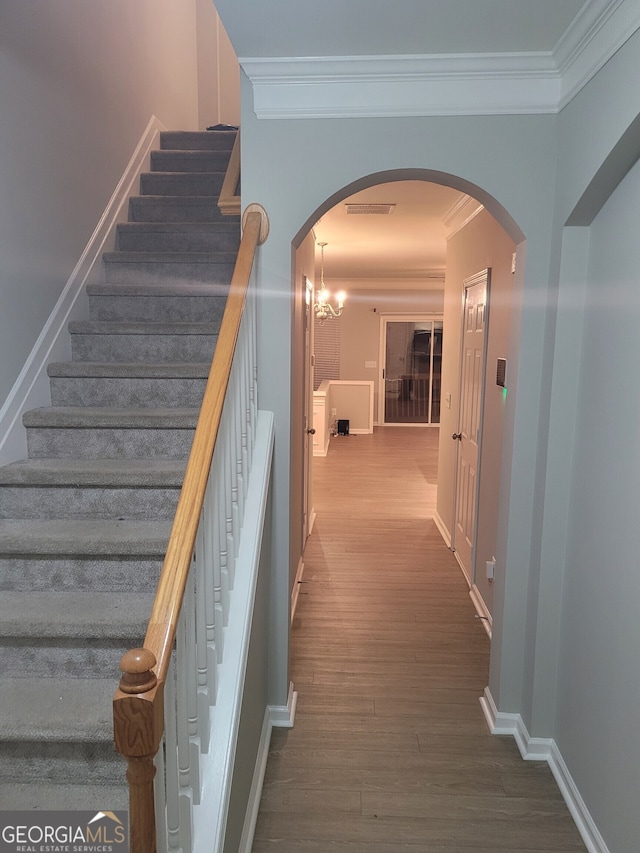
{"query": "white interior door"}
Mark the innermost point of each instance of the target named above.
(469, 435)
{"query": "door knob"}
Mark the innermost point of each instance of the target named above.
(457, 436)
(311, 431)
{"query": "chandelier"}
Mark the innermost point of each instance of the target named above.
(322, 307)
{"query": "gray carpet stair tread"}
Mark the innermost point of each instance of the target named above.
(74, 614)
(57, 709)
(49, 796)
(89, 417)
(128, 370)
(179, 227)
(186, 288)
(78, 537)
(168, 289)
(171, 257)
(94, 472)
(101, 327)
(167, 198)
(191, 140)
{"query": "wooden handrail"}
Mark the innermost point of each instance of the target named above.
(138, 702)
(229, 200)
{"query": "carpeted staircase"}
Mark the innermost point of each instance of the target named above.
(84, 521)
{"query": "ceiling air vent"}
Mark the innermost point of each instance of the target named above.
(368, 209)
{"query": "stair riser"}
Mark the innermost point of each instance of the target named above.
(69, 502)
(52, 658)
(97, 443)
(167, 183)
(137, 272)
(121, 574)
(157, 309)
(196, 239)
(197, 140)
(151, 348)
(189, 161)
(62, 763)
(135, 392)
(175, 209)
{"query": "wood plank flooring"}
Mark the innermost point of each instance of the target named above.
(390, 751)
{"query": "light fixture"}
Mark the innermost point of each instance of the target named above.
(322, 307)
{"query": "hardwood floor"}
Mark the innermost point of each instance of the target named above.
(390, 751)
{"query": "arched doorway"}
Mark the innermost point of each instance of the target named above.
(485, 222)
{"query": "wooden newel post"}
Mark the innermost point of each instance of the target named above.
(138, 723)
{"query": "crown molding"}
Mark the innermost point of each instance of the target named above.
(460, 214)
(394, 86)
(443, 84)
(600, 29)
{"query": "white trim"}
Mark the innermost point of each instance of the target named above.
(444, 84)
(484, 614)
(392, 86)
(443, 529)
(31, 388)
(295, 592)
(284, 716)
(312, 520)
(466, 214)
(546, 749)
(467, 577)
(600, 29)
(274, 716)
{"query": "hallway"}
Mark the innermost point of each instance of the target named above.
(390, 751)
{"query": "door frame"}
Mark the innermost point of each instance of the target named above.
(483, 276)
(390, 317)
(308, 513)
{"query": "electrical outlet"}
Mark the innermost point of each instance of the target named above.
(491, 569)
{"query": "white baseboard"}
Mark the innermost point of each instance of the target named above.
(284, 716)
(275, 716)
(442, 527)
(463, 569)
(546, 749)
(295, 592)
(31, 388)
(312, 520)
(482, 610)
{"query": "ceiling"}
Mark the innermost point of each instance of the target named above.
(407, 243)
(401, 27)
(411, 241)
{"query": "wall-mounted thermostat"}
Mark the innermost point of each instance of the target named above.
(501, 373)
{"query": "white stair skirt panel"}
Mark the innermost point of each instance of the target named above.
(545, 749)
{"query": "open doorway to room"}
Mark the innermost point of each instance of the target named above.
(402, 250)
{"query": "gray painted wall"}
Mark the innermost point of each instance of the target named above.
(537, 168)
(479, 245)
(324, 161)
(599, 677)
(78, 84)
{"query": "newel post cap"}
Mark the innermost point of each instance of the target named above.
(137, 667)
